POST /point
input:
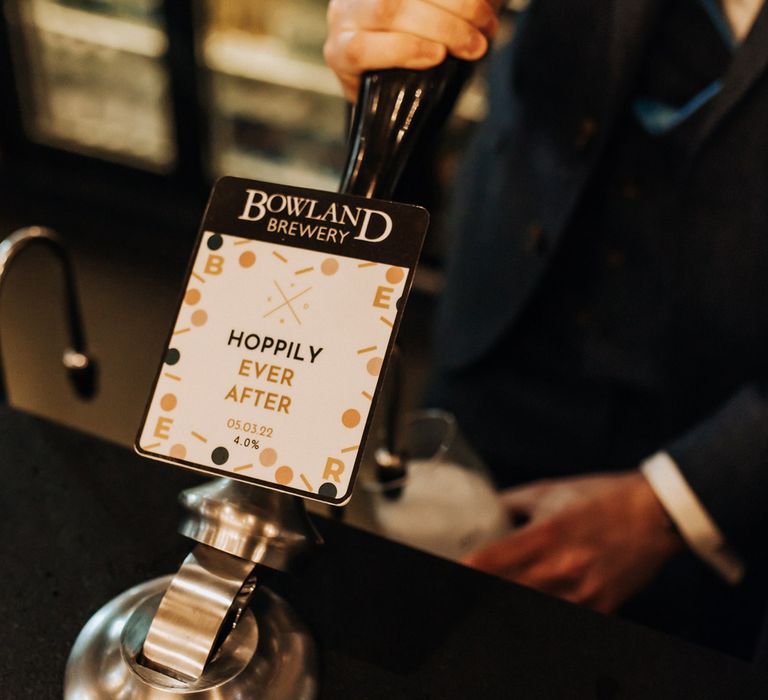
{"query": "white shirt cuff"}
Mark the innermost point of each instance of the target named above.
(693, 521)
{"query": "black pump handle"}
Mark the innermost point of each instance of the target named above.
(393, 108)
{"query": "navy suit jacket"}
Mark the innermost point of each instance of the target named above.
(556, 94)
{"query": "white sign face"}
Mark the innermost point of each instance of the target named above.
(282, 336)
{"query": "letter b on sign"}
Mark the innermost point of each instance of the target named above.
(254, 208)
(214, 265)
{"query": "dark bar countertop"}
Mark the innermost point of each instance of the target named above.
(83, 520)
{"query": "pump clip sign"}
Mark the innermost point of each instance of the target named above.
(281, 340)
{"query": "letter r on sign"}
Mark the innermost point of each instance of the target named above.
(334, 468)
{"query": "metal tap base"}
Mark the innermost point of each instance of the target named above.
(272, 659)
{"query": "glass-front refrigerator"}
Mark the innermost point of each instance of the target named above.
(92, 78)
(275, 111)
(192, 90)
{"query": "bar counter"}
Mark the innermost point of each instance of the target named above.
(83, 520)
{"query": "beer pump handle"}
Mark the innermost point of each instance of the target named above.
(394, 107)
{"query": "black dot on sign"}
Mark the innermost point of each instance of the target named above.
(399, 303)
(328, 490)
(220, 455)
(172, 356)
(215, 242)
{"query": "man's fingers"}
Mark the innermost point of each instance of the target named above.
(426, 19)
(546, 578)
(560, 570)
(366, 35)
(430, 22)
(355, 52)
(479, 13)
(513, 552)
(521, 501)
(500, 559)
(389, 15)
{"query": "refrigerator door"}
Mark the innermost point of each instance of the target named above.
(275, 110)
(93, 79)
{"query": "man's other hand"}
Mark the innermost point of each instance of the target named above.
(593, 540)
(366, 35)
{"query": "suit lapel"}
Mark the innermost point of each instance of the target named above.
(749, 63)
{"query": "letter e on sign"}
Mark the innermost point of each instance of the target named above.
(382, 296)
(162, 427)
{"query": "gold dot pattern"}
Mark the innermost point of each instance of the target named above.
(273, 465)
(329, 266)
(284, 475)
(247, 259)
(168, 402)
(268, 457)
(199, 318)
(178, 451)
(350, 418)
(192, 296)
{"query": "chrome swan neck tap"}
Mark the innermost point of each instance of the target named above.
(78, 362)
